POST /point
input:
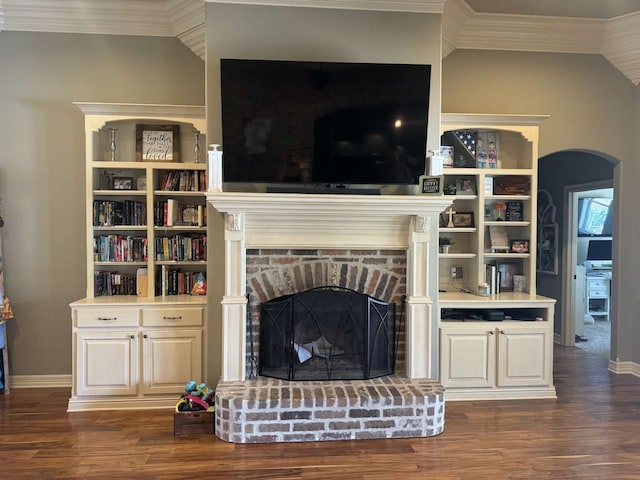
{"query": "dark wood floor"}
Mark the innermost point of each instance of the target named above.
(591, 431)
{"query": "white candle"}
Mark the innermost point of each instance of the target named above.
(215, 168)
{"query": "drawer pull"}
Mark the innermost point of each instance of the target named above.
(107, 319)
(172, 318)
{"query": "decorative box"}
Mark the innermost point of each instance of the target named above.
(190, 423)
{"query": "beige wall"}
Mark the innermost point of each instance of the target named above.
(592, 107)
(316, 34)
(42, 167)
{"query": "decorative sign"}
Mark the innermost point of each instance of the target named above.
(430, 185)
(514, 211)
(157, 143)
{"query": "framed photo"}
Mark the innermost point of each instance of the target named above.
(122, 183)
(431, 185)
(507, 270)
(463, 219)
(449, 185)
(466, 185)
(157, 143)
(519, 246)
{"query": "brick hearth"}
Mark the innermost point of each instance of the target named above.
(266, 410)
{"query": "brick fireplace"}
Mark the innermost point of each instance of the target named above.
(278, 243)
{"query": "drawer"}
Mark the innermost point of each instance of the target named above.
(169, 317)
(107, 317)
(598, 283)
(598, 293)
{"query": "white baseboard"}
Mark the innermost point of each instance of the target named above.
(631, 368)
(39, 381)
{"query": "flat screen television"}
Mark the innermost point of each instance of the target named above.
(323, 124)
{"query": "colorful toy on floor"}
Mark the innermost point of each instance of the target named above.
(196, 396)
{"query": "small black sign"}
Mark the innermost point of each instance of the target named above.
(431, 185)
(514, 211)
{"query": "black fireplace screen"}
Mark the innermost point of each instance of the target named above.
(327, 333)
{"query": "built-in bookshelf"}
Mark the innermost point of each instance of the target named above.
(493, 187)
(144, 314)
(146, 219)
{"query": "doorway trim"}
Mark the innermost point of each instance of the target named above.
(570, 255)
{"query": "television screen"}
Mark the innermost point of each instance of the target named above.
(320, 123)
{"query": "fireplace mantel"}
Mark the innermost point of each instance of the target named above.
(310, 220)
(289, 220)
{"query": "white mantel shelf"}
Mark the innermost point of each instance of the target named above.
(327, 220)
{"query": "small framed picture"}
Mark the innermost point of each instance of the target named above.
(157, 143)
(431, 185)
(466, 186)
(519, 246)
(520, 283)
(463, 219)
(122, 183)
(507, 271)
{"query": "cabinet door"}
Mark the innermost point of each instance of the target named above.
(107, 362)
(467, 357)
(172, 357)
(524, 356)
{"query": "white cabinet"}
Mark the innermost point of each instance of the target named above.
(138, 334)
(107, 362)
(497, 359)
(597, 290)
(135, 357)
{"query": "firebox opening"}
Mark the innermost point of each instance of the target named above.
(327, 333)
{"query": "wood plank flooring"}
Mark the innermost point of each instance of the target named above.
(591, 431)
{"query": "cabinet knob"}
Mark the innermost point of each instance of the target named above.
(502, 332)
(132, 337)
(491, 332)
(145, 336)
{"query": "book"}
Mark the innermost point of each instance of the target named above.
(142, 282)
(172, 212)
(491, 278)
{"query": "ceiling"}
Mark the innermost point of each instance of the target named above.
(605, 27)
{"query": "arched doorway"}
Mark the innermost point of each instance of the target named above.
(561, 174)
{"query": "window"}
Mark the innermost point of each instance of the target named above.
(594, 216)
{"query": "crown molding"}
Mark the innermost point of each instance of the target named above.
(616, 39)
(620, 41)
(416, 6)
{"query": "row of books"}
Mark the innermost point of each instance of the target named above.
(119, 248)
(175, 282)
(170, 213)
(181, 248)
(114, 283)
(492, 278)
(127, 212)
(184, 181)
